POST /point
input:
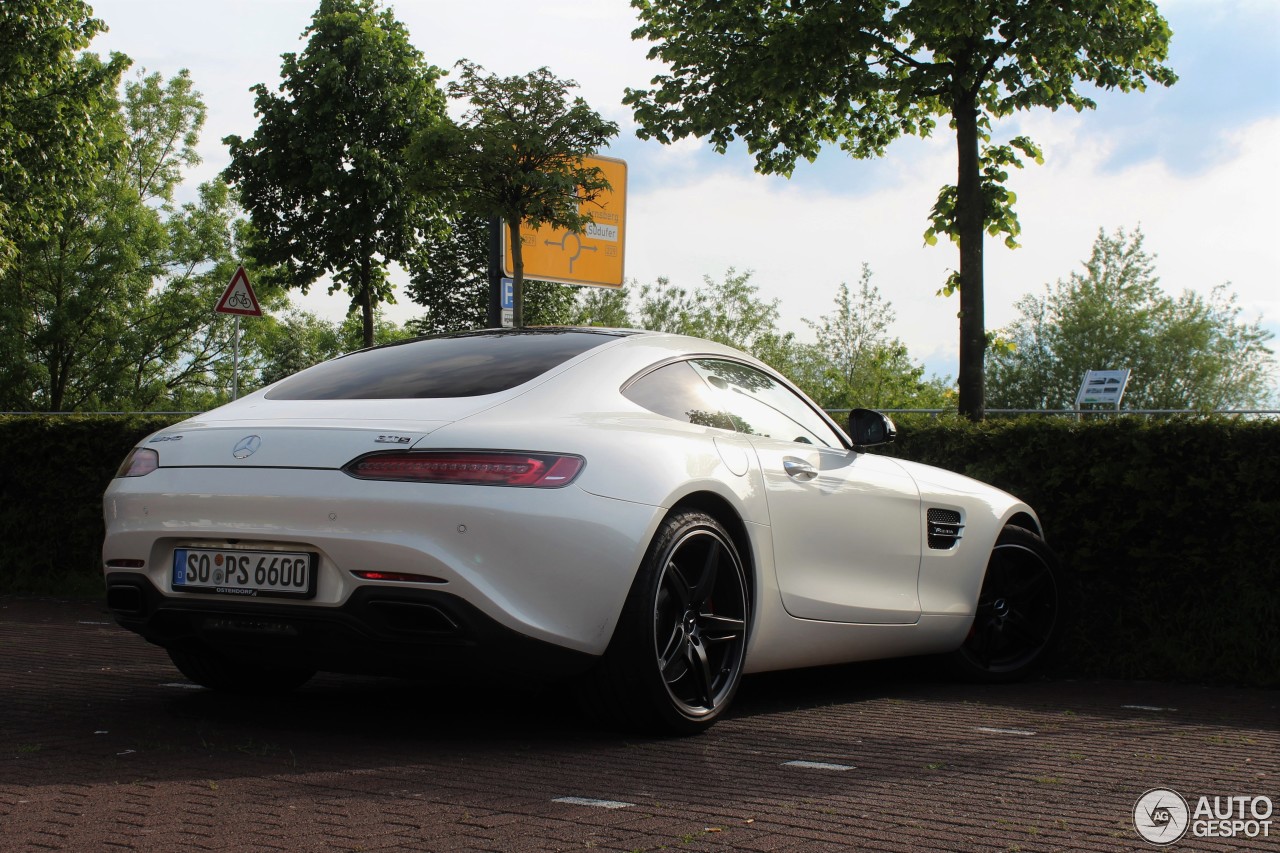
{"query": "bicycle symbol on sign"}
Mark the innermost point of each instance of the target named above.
(239, 300)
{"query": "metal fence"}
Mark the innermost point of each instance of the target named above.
(1264, 413)
(1091, 412)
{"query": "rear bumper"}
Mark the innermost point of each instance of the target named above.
(551, 564)
(377, 631)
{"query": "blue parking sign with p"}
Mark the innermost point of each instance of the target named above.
(508, 293)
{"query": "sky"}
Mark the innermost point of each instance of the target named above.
(1195, 166)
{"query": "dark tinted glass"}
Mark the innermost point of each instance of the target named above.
(455, 366)
(678, 392)
(733, 396)
(760, 406)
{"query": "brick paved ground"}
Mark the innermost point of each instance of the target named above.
(103, 746)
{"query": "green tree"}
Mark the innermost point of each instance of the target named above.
(49, 99)
(300, 339)
(169, 344)
(449, 276)
(179, 350)
(606, 307)
(728, 311)
(112, 306)
(64, 290)
(294, 342)
(788, 78)
(1186, 352)
(856, 362)
(324, 175)
(517, 155)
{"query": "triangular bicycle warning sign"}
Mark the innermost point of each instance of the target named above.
(239, 297)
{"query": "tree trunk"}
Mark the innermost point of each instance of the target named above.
(366, 301)
(969, 228)
(57, 385)
(517, 274)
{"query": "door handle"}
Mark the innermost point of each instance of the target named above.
(798, 469)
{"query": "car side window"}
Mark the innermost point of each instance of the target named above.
(733, 396)
(678, 391)
(759, 405)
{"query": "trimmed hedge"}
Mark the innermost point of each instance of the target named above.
(1168, 528)
(53, 471)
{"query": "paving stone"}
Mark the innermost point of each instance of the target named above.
(104, 746)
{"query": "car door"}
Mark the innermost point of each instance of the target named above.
(846, 525)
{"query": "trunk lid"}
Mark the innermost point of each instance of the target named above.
(307, 434)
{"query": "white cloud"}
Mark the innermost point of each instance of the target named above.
(1207, 228)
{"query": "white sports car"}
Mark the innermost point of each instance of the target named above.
(652, 515)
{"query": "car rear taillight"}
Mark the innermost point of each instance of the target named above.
(472, 468)
(140, 462)
(402, 577)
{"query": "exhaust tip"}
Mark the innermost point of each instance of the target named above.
(125, 599)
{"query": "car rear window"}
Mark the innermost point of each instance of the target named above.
(464, 365)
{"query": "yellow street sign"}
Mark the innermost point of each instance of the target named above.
(592, 257)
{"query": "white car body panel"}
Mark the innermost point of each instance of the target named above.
(862, 569)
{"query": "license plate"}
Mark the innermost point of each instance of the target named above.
(235, 571)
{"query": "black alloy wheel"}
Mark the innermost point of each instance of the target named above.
(678, 652)
(1018, 615)
(699, 621)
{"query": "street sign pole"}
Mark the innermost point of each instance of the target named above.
(235, 361)
(493, 318)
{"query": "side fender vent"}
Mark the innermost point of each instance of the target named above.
(944, 528)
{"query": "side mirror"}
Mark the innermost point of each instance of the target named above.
(869, 428)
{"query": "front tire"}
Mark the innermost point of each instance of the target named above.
(1018, 617)
(216, 672)
(677, 654)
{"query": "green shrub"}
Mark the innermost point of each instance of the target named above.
(53, 471)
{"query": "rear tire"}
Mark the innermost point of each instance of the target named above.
(677, 653)
(1018, 617)
(216, 672)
